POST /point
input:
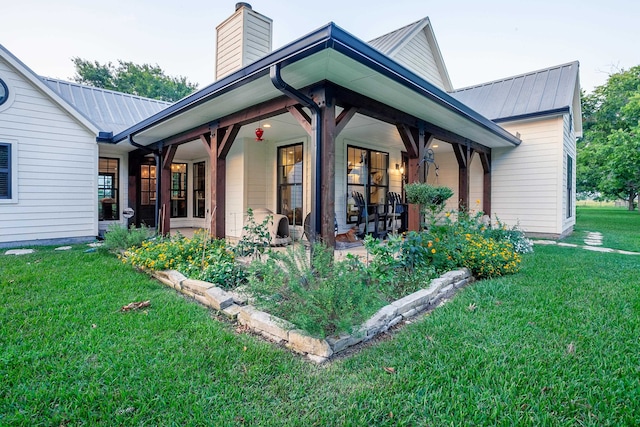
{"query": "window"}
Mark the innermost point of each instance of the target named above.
(4, 92)
(290, 182)
(199, 190)
(569, 186)
(178, 190)
(5, 171)
(367, 173)
(108, 206)
(147, 184)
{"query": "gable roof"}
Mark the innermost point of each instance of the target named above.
(391, 43)
(547, 91)
(35, 80)
(327, 54)
(108, 110)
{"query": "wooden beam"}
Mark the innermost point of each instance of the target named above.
(344, 118)
(217, 179)
(485, 158)
(408, 139)
(327, 172)
(206, 140)
(463, 155)
(167, 156)
(227, 140)
(301, 116)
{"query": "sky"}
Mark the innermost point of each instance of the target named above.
(480, 41)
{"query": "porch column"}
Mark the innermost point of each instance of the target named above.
(463, 153)
(217, 180)
(414, 142)
(485, 158)
(132, 197)
(166, 158)
(328, 169)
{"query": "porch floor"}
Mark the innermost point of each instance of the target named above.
(358, 251)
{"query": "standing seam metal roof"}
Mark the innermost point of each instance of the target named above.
(390, 41)
(109, 110)
(534, 93)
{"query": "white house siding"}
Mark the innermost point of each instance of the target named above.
(242, 39)
(526, 180)
(56, 168)
(569, 148)
(235, 189)
(418, 57)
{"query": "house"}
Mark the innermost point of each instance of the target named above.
(296, 131)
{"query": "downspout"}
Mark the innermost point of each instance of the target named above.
(316, 146)
(158, 159)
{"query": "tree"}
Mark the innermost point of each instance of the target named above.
(142, 80)
(609, 151)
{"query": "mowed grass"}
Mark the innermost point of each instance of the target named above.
(556, 344)
(619, 226)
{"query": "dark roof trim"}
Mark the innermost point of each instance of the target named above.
(329, 36)
(532, 115)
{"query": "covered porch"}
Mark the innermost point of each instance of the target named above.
(331, 93)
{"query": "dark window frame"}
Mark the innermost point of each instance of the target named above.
(109, 195)
(373, 188)
(5, 194)
(6, 92)
(292, 215)
(179, 197)
(199, 189)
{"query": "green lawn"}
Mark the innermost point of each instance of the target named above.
(556, 344)
(619, 226)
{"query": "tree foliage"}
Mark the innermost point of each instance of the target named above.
(609, 151)
(144, 80)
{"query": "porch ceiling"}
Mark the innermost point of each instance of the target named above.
(337, 62)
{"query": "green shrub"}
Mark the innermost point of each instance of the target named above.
(201, 258)
(118, 238)
(321, 296)
(255, 237)
(431, 198)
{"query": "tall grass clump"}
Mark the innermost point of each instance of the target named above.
(118, 237)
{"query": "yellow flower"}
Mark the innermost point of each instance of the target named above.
(433, 251)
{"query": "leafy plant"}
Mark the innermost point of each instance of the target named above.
(319, 295)
(256, 238)
(118, 238)
(200, 257)
(431, 198)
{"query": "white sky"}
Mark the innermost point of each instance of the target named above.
(480, 40)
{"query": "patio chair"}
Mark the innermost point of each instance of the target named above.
(369, 213)
(397, 211)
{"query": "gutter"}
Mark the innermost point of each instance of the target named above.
(316, 147)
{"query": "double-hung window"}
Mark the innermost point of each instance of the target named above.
(368, 174)
(5, 170)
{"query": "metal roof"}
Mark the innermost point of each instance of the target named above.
(332, 54)
(109, 110)
(536, 93)
(387, 43)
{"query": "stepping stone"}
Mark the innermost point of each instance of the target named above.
(593, 248)
(95, 244)
(63, 248)
(593, 242)
(19, 252)
(544, 242)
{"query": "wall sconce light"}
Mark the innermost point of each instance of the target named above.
(400, 168)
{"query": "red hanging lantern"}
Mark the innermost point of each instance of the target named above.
(259, 133)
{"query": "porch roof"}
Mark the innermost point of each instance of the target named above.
(327, 54)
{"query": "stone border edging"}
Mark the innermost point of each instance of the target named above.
(283, 332)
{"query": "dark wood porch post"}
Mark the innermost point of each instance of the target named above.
(167, 154)
(132, 199)
(217, 177)
(485, 158)
(328, 171)
(463, 155)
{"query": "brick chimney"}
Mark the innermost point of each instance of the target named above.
(241, 39)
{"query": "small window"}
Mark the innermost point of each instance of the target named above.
(178, 190)
(5, 171)
(4, 92)
(108, 197)
(199, 185)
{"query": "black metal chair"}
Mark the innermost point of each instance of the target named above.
(397, 210)
(369, 213)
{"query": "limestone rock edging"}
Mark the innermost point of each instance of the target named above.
(284, 332)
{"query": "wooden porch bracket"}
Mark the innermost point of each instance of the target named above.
(301, 116)
(344, 118)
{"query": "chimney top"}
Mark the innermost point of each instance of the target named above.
(242, 4)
